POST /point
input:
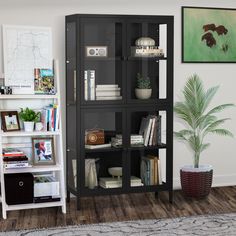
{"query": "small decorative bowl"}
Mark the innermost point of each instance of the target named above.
(115, 171)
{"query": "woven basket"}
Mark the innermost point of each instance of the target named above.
(196, 184)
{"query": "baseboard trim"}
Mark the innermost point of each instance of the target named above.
(218, 181)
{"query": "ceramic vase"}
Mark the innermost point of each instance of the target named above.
(91, 177)
(143, 93)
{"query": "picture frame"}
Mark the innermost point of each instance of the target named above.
(208, 35)
(43, 151)
(10, 121)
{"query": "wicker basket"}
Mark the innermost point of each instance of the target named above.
(196, 184)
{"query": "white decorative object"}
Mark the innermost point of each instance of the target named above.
(143, 93)
(20, 60)
(38, 126)
(115, 171)
(145, 41)
(29, 126)
(92, 177)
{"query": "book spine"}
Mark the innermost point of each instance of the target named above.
(88, 86)
(159, 130)
(148, 132)
(57, 118)
(159, 171)
(85, 85)
(151, 132)
(17, 165)
(107, 93)
(92, 84)
(52, 119)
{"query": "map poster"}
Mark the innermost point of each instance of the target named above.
(25, 48)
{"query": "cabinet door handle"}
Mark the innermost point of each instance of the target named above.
(74, 85)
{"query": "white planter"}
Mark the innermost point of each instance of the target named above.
(201, 168)
(29, 126)
(143, 93)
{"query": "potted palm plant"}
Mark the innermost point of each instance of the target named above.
(29, 117)
(200, 121)
(143, 89)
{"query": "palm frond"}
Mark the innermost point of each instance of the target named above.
(214, 125)
(220, 108)
(210, 93)
(204, 146)
(222, 132)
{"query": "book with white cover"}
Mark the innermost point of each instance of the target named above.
(85, 85)
(91, 77)
(152, 131)
(107, 93)
(107, 86)
(98, 89)
(147, 132)
(109, 98)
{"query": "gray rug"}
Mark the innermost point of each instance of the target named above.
(209, 225)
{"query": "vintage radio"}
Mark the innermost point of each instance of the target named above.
(96, 51)
(94, 136)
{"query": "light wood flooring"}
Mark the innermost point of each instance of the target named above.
(121, 208)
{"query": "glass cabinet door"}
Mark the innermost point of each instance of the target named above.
(102, 68)
(147, 60)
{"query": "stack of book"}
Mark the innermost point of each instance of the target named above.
(14, 158)
(108, 92)
(150, 128)
(150, 170)
(50, 116)
(135, 139)
(89, 85)
(109, 182)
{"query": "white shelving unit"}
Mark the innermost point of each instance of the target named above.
(7, 139)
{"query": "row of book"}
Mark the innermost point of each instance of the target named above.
(150, 170)
(14, 158)
(109, 182)
(100, 91)
(50, 116)
(150, 128)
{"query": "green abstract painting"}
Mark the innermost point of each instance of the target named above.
(208, 34)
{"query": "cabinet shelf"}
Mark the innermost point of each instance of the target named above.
(33, 169)
(33, 205)
(147, 147)
(112, 149)
(103, 59)
(23, 133)
(146, 58)
(28, 96)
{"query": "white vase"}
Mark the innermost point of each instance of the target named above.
(143, 93)
(29, 126)
(92, 177)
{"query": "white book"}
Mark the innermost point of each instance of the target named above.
(92, 84)
(16, 165)
(106, 145)
(107, 93)
(147, 132)
(109, 98)
(159, 171)
(85, 85)
(57, 118)
(151, 132)
(98, 89)
(107, 86)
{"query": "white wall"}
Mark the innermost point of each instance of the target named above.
(222, 153)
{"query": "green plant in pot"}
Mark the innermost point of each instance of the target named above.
(29, 117)
(200, 121)
(143, 89)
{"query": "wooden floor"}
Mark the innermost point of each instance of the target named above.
(122, 207)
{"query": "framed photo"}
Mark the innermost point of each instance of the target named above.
(43, 151)
(10, 121)
(208, 35)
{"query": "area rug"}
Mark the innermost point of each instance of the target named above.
(209, 225)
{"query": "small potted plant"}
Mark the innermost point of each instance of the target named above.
(29, 117)
(200, 121)
(143, 89)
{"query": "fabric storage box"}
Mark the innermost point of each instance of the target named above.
(19, 188)
(46, 186)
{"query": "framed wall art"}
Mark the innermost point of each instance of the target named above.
(208, 35)
(43, 151)
(10, 121)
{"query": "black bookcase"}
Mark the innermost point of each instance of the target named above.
(118, 34)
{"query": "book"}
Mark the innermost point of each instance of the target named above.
(85, 85)
(106, 145)
(159, 171)
(145, 170)
(147, 132)
(104, 89)
(159, 130)
(108, 86)
(11, 151)
(43, 81)
(16, 165)
(109, 98)
(107, 93)
(91, 84)
(152, 131)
